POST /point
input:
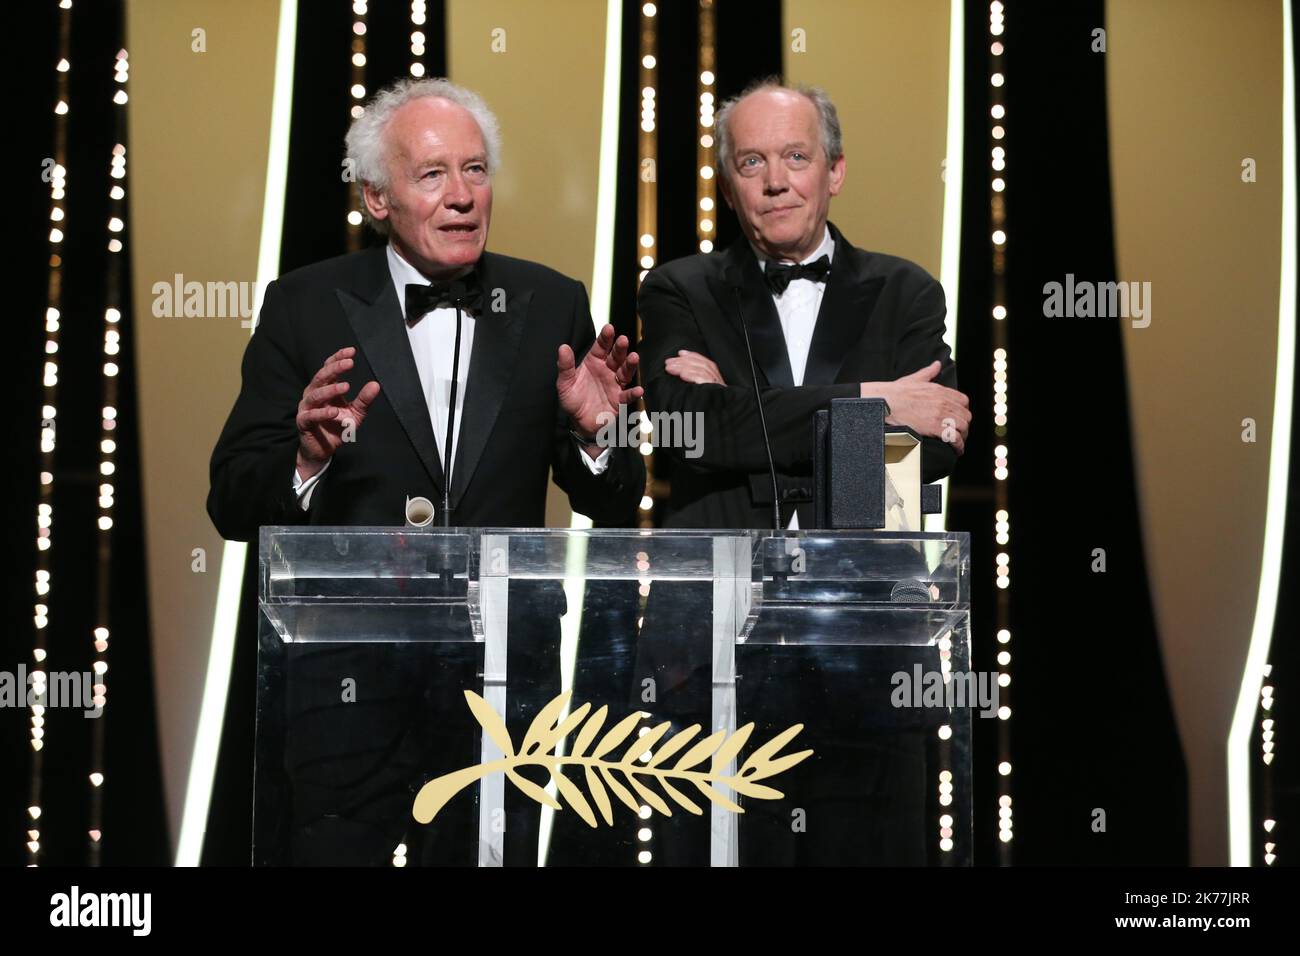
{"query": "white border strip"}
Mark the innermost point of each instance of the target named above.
(950, 250)
(602, 279)
(950, 254)
(602, 267)
(203, 763)
(1243, 718)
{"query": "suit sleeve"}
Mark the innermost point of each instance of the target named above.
(728, 414)
(920, 342)
(611, 498)
(251, 471)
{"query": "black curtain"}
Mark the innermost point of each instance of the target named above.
(1092, 724)
(134, 822)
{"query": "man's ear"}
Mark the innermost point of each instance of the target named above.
(376, 201)
(837, 175)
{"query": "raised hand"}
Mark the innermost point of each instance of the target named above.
(324, 412)
(925, 406)
(601, 383)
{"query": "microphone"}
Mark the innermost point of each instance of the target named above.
(458, 290)
(913, 591)
(762, 418)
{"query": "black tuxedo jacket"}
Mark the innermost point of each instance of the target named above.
(511, 431)
(881, 317)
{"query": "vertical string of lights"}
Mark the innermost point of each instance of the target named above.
(49, 410)
(1268, 727)
(944, 760)
(1002, 523)
(418, 11)
(706, 151)
(647, 199)
(107, 450)
(359, 11)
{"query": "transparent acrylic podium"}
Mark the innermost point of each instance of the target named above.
(485, 697)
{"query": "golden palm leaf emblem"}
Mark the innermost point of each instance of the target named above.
(601, 772)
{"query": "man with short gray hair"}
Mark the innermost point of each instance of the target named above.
(827, 320)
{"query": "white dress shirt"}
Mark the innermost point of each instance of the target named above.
(797, 308)
(432, 341)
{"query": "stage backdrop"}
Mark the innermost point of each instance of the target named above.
(540, 66)
(1195, 90)
(885, 64)
(199, 129)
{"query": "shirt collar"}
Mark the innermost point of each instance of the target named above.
(827, 248)
(403, 274)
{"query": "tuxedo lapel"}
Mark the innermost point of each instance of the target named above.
(741, 271)
(491, 366)
(376, 319)
(847, 304)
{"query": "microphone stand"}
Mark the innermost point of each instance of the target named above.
(448, 457)
(762, 418)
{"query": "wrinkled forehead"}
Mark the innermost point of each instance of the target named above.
(773, 119)
(434, 129)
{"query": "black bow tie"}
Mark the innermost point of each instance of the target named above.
(465, 293)
(780, 276)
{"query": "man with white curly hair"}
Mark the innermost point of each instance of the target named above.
(346, 408)
(427, 367)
